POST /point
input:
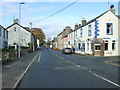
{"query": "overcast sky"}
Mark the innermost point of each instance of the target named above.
(52, 26)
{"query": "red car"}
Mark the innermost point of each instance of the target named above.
(47, 47)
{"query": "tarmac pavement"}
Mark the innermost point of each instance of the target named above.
(12, 72)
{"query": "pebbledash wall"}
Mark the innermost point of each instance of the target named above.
(98, 37)
(13, 35)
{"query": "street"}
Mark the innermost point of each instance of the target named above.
(52, 69)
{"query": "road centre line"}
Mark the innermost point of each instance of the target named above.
(67, 60)
(92, 72)
(39, 57)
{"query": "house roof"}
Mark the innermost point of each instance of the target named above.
(91, 20)
(118, 16)
(26, 28)
(3, 27)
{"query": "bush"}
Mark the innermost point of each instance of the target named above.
(23, 47)
(9, 50)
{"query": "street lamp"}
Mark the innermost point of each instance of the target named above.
(32, 39)
(19, 27)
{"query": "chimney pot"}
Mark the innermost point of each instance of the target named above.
(15, 21)
(83, 21)
(112, 9)
(76, 25)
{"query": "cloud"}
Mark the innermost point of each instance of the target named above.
(9, 9)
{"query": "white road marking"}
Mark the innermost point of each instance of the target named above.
(15, 85)
(39, 57)
(61, 58)
(105, 79)
(91, 72)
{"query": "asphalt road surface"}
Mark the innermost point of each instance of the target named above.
(55, 70)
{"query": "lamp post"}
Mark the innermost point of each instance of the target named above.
(19, 27)
(32, 39)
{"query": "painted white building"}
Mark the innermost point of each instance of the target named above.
(18, 33)
(100, 36)
(3, 37)
(71, 39)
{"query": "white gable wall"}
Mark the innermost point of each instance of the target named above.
(13, 36)
(109, 17)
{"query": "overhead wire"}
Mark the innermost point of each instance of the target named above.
(57, 11)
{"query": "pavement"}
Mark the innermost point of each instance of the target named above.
(12, 72)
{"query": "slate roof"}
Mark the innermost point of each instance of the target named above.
(91, 20)
(118, 16)
(26, 28)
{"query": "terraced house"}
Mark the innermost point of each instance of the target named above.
(99, 36)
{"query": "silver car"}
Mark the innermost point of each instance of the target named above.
(67, 51)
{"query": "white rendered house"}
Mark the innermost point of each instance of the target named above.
(19, 34)
(100, 36)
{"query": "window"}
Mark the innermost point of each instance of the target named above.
(76, 34)
(83, 47)
(106, 45)
(91, 45)
(71, 36)
(14, 28)
(87, 46)
(109, 29)
(113, 45)
(4, 33)
(97, 47)
(79, 46)
(7, 35)
(89, 30)
(81, 33)
(0, 31)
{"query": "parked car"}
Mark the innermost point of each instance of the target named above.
(67, 51)
(46, 47)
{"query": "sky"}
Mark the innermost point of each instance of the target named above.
(35, 11)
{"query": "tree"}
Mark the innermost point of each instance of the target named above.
(39, 34)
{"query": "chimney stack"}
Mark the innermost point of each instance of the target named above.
(83, 21)
(112, 9)
(76, 25)
(15, 21)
